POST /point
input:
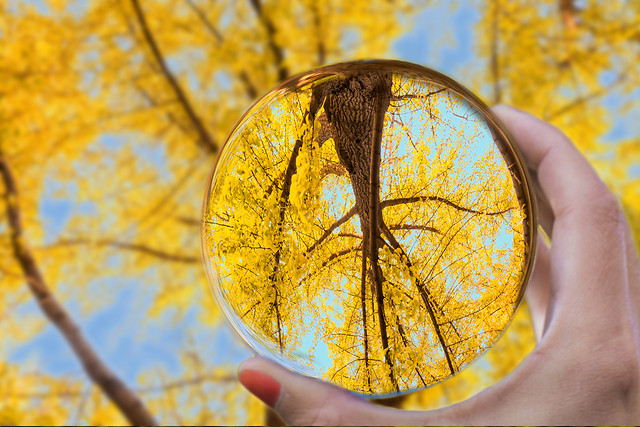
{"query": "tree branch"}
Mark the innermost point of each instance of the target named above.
(414, 199)
(424, 294)
(375, 216)
(282, 205)
(204, 137)
(321, 49)
(116, 390)
(414, 227)
(416, 96)
(332, 168)
(276, 50)
(344, 218)
(250, 89)
(172, 385)
(129, 246)
(340, 253)
(495, 65)
(584, 99)
(363, 308)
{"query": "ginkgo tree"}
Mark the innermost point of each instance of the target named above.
(105, 106)
(349, 214)
(98, 112)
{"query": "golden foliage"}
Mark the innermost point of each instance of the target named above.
(88, 117)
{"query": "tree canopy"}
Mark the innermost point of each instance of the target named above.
(112, 113)
(367, 226)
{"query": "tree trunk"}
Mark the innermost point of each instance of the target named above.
(355, 106)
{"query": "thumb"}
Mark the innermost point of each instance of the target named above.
(302, 400)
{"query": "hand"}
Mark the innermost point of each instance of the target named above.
(584, 296)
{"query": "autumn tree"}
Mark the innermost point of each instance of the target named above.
(349, 213)
(105, 107)
(112, 110)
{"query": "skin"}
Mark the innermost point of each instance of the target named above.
(584, 296)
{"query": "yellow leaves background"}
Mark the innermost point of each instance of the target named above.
(112, 170)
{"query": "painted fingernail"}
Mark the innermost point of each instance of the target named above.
(261, 385)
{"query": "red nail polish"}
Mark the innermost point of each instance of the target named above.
(261, 385)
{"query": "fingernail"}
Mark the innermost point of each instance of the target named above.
(261, 385)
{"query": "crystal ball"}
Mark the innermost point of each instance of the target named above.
(370, 224)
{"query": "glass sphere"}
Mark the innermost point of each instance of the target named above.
(370, 224)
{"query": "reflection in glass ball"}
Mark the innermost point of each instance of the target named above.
(369, 224)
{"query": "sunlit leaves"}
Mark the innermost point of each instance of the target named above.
(285, 236)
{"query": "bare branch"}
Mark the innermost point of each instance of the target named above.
(395, 98)
(342, 252)
(128, 246)
(250, 89)
(344, 218)
(116, 390)
(276, 50)
(415, 199)
(204, 137)
(414, 227)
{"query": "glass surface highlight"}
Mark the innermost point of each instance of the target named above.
(370, 224)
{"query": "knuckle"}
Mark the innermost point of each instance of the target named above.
(326, 411)
(613, 364)
(325, 417)
(602, 212)
(605, 206)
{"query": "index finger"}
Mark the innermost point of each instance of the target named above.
(587, 250)
(567, 179)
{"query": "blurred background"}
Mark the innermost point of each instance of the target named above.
(112, 113)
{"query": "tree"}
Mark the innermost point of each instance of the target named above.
(350, 213)
(94, 121)
(98, 113)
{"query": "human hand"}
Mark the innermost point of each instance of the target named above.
(584, 296)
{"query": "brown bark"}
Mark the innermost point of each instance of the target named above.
(355, 106)
(115, 389)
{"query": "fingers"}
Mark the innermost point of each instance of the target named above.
(538, 289)
(301, 400)
(587, 248)
(566, 178)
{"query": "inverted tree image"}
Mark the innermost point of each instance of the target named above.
(368, 227)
